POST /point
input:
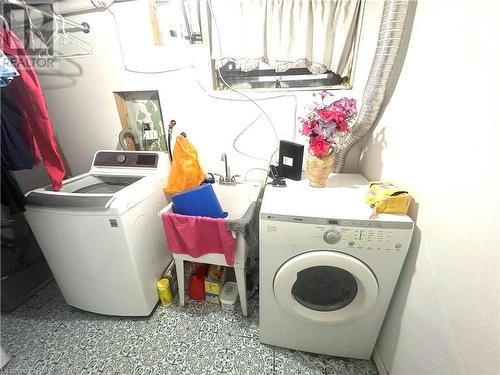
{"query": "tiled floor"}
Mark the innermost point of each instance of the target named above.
(46, 336)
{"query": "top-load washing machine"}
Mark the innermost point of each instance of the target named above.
(328, 268)
(101, 234)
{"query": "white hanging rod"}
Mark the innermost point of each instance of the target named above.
(84, 26)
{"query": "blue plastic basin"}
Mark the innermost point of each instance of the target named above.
(200, 201)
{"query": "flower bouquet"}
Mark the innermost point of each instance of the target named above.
(326, 125)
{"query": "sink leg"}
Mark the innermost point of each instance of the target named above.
(241, 280)
(179, 266)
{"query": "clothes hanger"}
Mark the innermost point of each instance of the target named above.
(5, 23)
(65, 39)
(75, 40)
(34, 30)
(50, 42)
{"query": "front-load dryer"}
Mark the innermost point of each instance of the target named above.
(101, 234)
(328, 268)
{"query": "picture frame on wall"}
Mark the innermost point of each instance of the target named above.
(140, 112)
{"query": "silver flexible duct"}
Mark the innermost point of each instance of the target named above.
(389, 40)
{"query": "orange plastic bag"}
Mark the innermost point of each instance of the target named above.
(185, 172)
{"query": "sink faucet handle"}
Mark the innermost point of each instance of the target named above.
(221, 178)
(233, 179)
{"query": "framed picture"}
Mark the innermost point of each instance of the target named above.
(140, 111)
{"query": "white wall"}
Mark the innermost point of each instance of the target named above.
(439, 138)
(82, 106)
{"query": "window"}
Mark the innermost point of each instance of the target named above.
(284, 44)
(265, 77)
(177, 22)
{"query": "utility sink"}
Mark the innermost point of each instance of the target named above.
(235, 199)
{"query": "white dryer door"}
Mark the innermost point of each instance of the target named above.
(325, 287)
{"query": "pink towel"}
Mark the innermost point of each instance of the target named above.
(197, 236)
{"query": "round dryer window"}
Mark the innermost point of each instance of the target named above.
(325, 287)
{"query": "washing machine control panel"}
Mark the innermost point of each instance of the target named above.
(121, 158)
(125, 159)
(332, 236)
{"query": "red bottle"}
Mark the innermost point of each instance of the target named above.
(196, 283)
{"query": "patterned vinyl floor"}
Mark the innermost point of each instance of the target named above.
(45, 336)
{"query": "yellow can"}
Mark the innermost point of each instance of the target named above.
(164, 291)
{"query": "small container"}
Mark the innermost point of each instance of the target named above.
(164, 291)
(228, 296)
(215, 278)
(212, 298)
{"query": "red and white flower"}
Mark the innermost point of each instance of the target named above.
(328, 123)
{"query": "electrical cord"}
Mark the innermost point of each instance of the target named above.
(209, 2)
(253, 169)
(308, 360)
(241, 133)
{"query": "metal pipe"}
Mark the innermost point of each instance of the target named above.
(393, 22)
(169, 138)
(84, 26)
(186, 20)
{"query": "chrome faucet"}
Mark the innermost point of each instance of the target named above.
(226, 167)
(227, 179)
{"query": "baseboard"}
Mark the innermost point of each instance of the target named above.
(379, 363)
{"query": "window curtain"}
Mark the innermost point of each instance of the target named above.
(319, 34)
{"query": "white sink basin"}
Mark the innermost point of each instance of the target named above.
(235, 199)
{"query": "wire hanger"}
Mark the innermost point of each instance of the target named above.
(34, 30)
(77, 41)
(64, 38)
(84, 26)
(5, 23)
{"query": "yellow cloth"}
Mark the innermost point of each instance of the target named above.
(185, 172)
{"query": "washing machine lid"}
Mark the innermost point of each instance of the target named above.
(325, 287)
(96, 184)
(85, 191)
(111, 172)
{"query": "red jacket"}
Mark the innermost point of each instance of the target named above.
(29, 99)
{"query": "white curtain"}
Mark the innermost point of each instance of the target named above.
(285, 33)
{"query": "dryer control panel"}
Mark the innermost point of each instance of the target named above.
(370, 239)
(332, 236)
(338, 236)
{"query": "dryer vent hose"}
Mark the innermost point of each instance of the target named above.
(393, 22)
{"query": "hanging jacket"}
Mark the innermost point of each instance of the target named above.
(10, 192)
(15, 152)
(28, 97)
